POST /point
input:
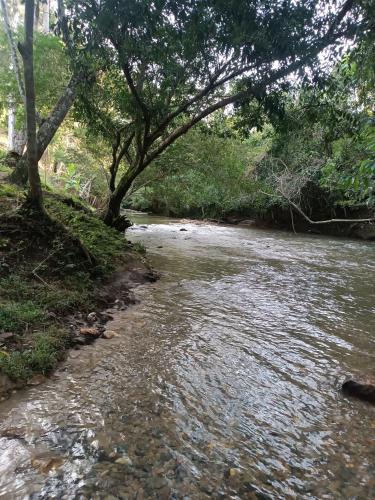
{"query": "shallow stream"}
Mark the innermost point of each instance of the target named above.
(223, 382)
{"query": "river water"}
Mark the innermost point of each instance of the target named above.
(223, 382)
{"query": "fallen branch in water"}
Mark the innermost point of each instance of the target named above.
(328, 221)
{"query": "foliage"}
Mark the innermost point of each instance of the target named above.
(51, 71)
(9, 190)
(78, 164)
(14, 317)
(201, 175)
(324, 142)
(351, 169)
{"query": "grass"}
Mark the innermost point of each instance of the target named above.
(9, 191)
(44, 277)
(16, 316)
(46, 350)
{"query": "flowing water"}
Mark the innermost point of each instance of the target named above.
(223, 382)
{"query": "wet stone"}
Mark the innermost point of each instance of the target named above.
(124, 461)
(205, 486)
(165, 456)
(156, 483)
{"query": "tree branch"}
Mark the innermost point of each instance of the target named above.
(214, 83)
(310, 221)
(186, 105)
(49, 126)
(135, 94)
(328, 221)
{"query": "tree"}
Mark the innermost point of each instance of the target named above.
(16, 137)
(35, 195)
(16, 96)
(174, 63)
(48, 126)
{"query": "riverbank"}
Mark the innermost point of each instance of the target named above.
(57, 278)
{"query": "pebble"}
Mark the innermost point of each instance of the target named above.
(92, 317)
(92, 331)
(156, 483)
(205, 486)
(37, 379)
(110, 334)
(124, 461)
(46, 464)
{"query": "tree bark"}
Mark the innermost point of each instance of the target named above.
(36, 14)
(112, 216)
(11, 124)
(45, 19)
(35, 194)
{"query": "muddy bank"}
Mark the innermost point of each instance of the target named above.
(115, 294)
(84, 328)
(57, 272)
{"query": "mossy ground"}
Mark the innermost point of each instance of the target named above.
(46, 277)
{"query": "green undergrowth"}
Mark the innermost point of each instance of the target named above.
(9, 191)
(105, 243)
(46, 276)
(41, 355)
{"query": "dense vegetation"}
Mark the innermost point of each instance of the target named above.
(315, 146)
(194, 108)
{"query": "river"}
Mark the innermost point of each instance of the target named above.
(223, 382)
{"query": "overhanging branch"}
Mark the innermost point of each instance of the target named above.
(316, 222)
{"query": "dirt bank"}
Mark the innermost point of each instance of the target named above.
(57, 278)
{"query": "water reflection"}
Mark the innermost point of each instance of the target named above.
(223, 382)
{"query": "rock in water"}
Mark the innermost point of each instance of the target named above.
(45, 463)
(37, 379)
(110, 334)
(92, 317)
(94, 332)
(365, 392)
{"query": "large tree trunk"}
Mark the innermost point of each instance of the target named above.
(112, 217)
(35, 194)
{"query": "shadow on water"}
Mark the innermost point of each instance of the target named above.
(223, 382)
